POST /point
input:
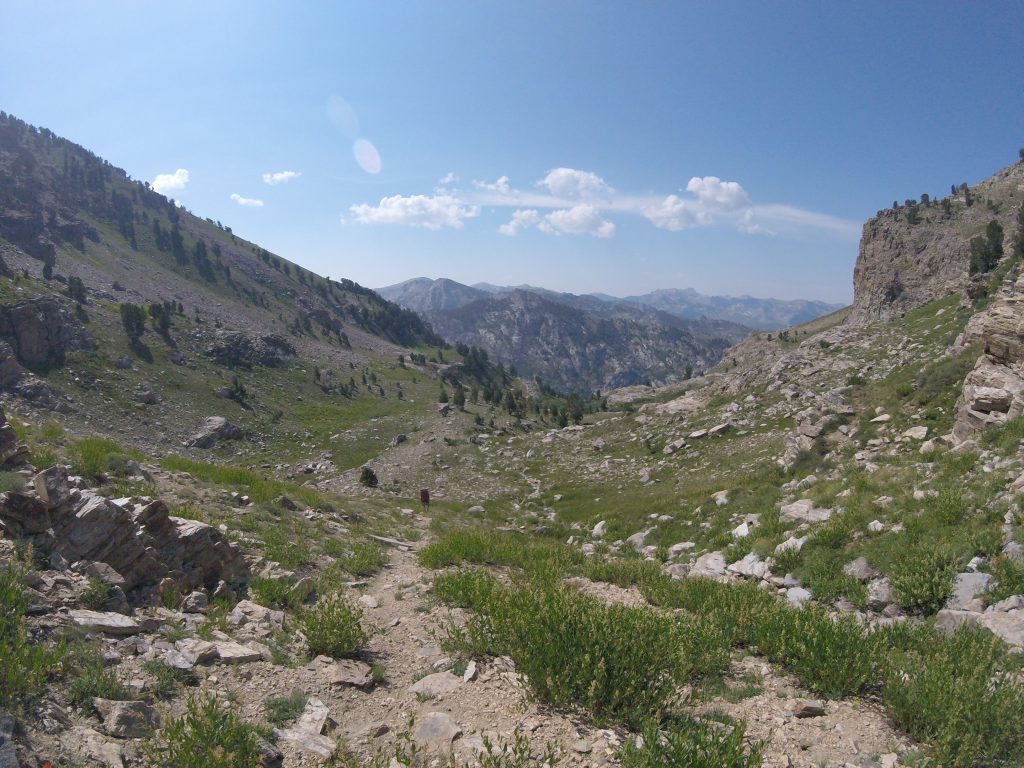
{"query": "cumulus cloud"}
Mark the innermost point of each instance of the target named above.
(501, 185)
(568, 182)
(280, 177)
(427, 211)
(672, 213)
(523, 219)
(448, 178)
(581, 219)
(170, 182)
(716, 194)
(248, 202)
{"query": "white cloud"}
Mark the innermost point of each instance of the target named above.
(427, 211)
(672, 213)
(501, 185)
(248, 202)
(170, 182)
(448, 178)
(280, 177)
(568, 182)
(523, 219)
(716, 194)
(581, 219)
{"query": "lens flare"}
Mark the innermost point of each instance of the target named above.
(367, 156)
(343, 116)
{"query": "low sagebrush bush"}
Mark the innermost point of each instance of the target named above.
(923, 580)
(207, 736)
(693, 745)
(90, 678)
(96, 594)
(332, 627)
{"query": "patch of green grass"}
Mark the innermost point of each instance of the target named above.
(332, 627)
(25, 664)
(693, 744)
(90, 678)
(359, 558)
(487, 547)
(166, 678)
(283, 709)
(259, 488)
(95, 457)
(11, 481)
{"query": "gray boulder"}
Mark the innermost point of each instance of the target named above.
(214, 429)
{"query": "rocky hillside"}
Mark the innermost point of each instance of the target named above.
(575, 350)
(919, 251)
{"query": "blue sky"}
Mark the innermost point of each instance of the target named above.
(732, 147)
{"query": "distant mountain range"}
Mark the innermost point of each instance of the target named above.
(425, 295)
(572, 342)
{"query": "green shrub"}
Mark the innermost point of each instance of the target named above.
(207, 736)
(283, 709)
(11, 481)
(693, 745)
(24, 663)
(166, 678)
(273, 593)
(332, 627)
(96, 594)
(90, 677)
(923, 580)
(362, 558)
(957, 695)
(1007, 578)
(620, 664)
(368, 477)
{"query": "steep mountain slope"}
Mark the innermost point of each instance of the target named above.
(575, 349)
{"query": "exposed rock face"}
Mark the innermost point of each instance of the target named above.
(901, 265)
(40, 332)
(240, 350)
(214, 429)
(994, 391)
(142, 543)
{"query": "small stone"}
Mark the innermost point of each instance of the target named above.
(582, 746)
(470, 673)
(804, 708)
(350, 672)
(195, 602)
(369, 601)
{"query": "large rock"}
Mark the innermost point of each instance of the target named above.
(52, 486)
(127, 719)
(143, 543)
(235, 349)
(41, 332)
(23, 514)
(967, 588)
(803, 511)
(214, 429)
(107, 623)
(436, 685)
(709, 565)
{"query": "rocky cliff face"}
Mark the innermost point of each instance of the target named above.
(903, 265)
(994, 391)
